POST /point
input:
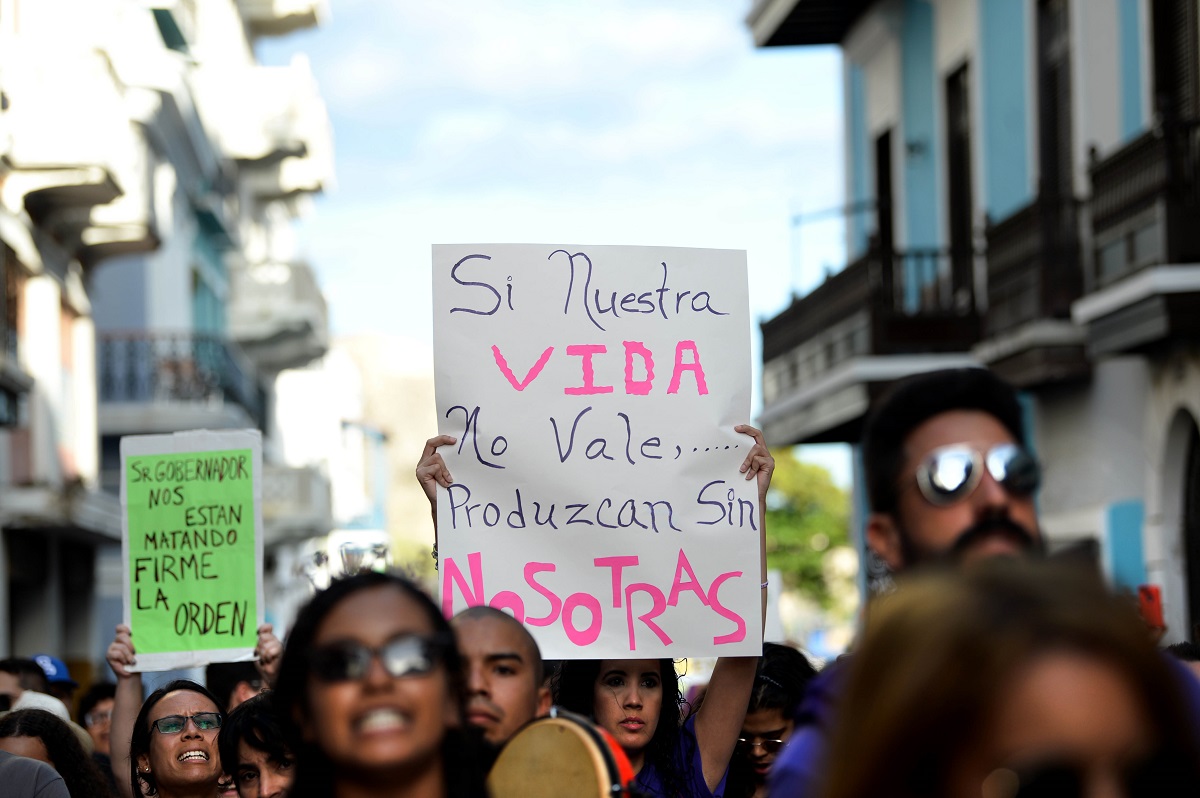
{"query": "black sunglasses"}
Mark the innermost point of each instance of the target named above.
(952, 473)
(174, 724)
(403, 655)
(747, 744)
(1157, 776)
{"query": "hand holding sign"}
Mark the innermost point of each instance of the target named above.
(592, 393)
(192, 546)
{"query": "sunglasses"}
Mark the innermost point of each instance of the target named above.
(403, 655)
(174, 724)
(747, 744)
(1155, 777)
(952, 473)
(96, 717)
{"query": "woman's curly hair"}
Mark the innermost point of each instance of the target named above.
(79, 771)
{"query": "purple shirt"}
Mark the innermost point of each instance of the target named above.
(686, 757)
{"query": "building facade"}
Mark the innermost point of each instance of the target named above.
(1022, 192)
(152, 175)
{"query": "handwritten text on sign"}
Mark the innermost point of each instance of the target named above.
(191, 550)
(593, 392)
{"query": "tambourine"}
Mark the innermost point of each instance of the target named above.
(563, 754)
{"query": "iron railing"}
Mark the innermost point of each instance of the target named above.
(176, 367)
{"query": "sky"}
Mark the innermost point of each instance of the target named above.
(651, 122)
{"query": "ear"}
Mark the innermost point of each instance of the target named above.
(883, 538)
(544, 702)
(143, 763)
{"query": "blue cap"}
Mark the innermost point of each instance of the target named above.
(56, 670)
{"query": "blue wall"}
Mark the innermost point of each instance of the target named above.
(1125, 562)
(1129, 31)
(861, 187)
(1004, 76)
(918, 93)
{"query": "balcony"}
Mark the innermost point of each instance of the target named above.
(1035, 273)
(48, 102)
(278, 17)
(278, 315)
(880, 318)
(776, 23)
(1145, 284)
(296, 504)
(164, 382)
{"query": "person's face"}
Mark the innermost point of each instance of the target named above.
(1063, 712)
(10, 688)
(627, 698)
(759, 727)
(99, 725)
(502, 692)
(379, 724)
(260, 776)
(920, 531)
(186, 758)
(29, 747)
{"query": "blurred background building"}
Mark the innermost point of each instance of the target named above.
(1023, 188)
(151, 176)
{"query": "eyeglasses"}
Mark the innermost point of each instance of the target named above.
(1157, 776)
(96, 717)
(952, 473)
(174, 724)
(747, 744)
(404, 655)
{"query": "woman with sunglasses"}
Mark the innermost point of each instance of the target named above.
(371, 691)
(1010, 680)
(173, 745)
(639, 703)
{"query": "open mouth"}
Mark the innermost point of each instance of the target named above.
(193, 756)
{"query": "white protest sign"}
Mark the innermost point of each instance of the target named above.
(191, 522)
(597, 496)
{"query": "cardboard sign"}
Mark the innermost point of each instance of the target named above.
(596, 495)
(191, 520)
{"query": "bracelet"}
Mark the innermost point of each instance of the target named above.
(763, 586)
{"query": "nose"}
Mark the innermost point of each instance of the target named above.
(190, 729)
(633, 698)
(990, 496)
(273, 784)
(477, 683)
(377, 675)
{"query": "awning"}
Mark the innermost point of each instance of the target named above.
(17, 235)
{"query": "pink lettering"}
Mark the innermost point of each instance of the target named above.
(632, 386)
(473, 595)
(738, 634)
(508, 600)
(589, 373)
(658, 608)
(616, 563)
(682, 566)
(582, 637)
(529, 376)
(694, 367)
(531, 570)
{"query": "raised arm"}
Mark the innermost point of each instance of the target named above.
(432, 471)
(126, 704)
(719, 719)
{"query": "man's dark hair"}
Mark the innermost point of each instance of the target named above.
(29, 674)
(255, 722)
(1184, 652)
(223, 677)
(95, 694)
(913, 401)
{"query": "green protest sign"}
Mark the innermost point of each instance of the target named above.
(192, 548)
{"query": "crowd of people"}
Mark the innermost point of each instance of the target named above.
(992, 670)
